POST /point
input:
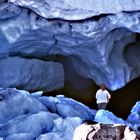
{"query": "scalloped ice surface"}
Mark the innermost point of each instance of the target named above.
(100, 41)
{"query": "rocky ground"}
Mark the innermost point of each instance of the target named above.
(105, 132)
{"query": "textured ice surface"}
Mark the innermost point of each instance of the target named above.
(77, 9)
(31, 74)
(100, 48)
(134, 117)
(24, 116)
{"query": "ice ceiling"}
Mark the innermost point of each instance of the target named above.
(41, 41)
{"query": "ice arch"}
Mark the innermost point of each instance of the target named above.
(94, 46)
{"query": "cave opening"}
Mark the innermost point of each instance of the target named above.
(125, 98)
(120, 104)
(122, 99)
(132, 57)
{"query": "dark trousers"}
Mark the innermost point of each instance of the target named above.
(102, 105)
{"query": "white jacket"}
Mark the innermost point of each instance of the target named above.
(102, 96)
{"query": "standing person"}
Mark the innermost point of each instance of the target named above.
(102, 96)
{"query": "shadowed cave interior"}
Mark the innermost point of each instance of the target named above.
(122, 99)
(120, 104)
(84, 90)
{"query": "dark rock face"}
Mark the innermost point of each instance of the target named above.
(104, 132)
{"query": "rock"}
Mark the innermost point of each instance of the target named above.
(104, 132)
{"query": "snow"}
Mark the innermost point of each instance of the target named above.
(37, 94)
(106, 117)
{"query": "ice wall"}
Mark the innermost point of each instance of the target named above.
(97, 38)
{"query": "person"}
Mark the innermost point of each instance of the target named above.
(102, 97)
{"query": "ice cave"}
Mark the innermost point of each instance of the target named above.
(54, 55)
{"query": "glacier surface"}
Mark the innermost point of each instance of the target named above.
(24, 116)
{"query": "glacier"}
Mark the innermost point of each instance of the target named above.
(28, 116)
(45, 44)
(101, 49)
